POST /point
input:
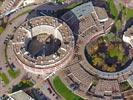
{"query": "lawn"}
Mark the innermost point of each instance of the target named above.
(4, 78)
(111, 37)
(1, 29)
(64, 91)
(60, 1)
(129, 13)
(118, 25)
(13, 74)
(112, 8)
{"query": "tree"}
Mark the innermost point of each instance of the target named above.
(105, 67)
(97, 60)
(111, 69)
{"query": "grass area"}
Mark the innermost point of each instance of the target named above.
(22, 85)
(13, 74)
(4, 78)
(73, 5)
(64, 91)
(60, 1)
(112, 8)
(1, 29)
(129, 13)
(118, 25)
(111, 37)
(125, 86)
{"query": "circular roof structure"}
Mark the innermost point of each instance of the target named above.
(43, 42)
(94, 71)
(108, 55)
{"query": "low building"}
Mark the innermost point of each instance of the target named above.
(19, 95)
(86, 17)
(130, 80)
(101, 14)
(128, 36)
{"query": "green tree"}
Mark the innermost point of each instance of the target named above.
(97, 60)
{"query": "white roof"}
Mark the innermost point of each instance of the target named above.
(20, 95)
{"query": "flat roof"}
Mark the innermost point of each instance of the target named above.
(129, 31)
(101, 13)
(130, 80)
(83, 10)
(20, 95)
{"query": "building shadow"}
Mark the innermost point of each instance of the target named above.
(73, 22)
(48, 9)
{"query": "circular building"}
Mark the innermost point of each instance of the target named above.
(107, 59)
(43, 44)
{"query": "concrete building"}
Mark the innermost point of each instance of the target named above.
(9, 6)
(86, 17)
(19, 95)
(43, 45)
(128, 36)
(130, 80)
